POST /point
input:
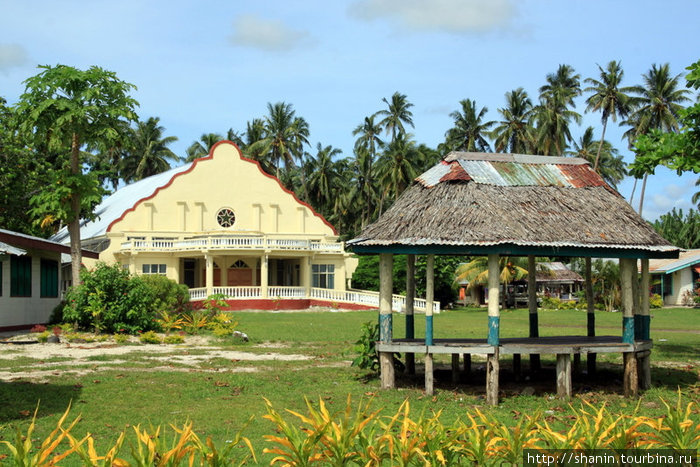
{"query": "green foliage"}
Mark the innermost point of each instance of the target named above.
(174, 339)
(682, 231)
(222, 324)
(169, 296)
(655, 301)
(121, 338)
(365, 347)
(150, 337)
(110, 300)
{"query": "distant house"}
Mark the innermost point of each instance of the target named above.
(554, 279)
(30, 279)
(675, 279)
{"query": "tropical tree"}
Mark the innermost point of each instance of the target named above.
(553, 115)
(396, 115)
(515, 133)
(322, 177)
(612, 167)
(203, 146)
(658, 105)
(147, 151)
(366, 145)
(284, 137)
(608, 98)
(681, 230)
(469, 131)
(65, 109)
(396, 167)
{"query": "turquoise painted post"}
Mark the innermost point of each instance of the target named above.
(645, 320)
(627, 275)
(385, 327)
(628, 329)
(429, 296)
(494, 311)
(410, 294)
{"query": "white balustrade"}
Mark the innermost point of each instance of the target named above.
(237, 242)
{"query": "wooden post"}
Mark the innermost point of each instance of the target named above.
(564, 375)
(386, 359)
(467, 365)
(455, 368)
(492, 369)
(532, 305)
(645, 360)
(590, 306)
(429, 294)
(517, 367)
(410, 308)
(492, 366)
(636, 301)
(628, 272)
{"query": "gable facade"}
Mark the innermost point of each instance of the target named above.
(220, 225)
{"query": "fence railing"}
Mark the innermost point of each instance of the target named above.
(237, 242)
(360, 297)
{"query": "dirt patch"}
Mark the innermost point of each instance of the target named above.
(100, 356)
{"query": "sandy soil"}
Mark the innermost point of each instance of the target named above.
(178, 357)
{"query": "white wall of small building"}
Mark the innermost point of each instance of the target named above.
(26, 311)
(682, 281)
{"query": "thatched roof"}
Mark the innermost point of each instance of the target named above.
(478, 203)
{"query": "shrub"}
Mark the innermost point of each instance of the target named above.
(43, 337)
(655, 301)
(109, 299)
(223, 324)
(174, 339)
(38, 328)
(169, 296)
(121, 338)
(150, 337)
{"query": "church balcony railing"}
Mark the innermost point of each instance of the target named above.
(234, 242)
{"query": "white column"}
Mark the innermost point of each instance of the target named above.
(209, 260)
(263, 276)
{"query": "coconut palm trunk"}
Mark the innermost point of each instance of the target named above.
(74, 224)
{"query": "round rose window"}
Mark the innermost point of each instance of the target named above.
(225, 217)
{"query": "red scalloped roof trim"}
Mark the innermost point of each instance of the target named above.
(211, 156)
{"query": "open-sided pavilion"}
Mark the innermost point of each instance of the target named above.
(515, 205)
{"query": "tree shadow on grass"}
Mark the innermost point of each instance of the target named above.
(19, 399)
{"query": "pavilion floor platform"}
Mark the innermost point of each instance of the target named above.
(561, 346)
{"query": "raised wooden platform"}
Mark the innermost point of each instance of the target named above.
(518, 345)
(561, 346)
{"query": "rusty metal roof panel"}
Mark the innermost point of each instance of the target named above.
(483, 172)
(433, 175)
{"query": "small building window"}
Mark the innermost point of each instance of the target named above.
(49, 278)
(20, 276)
(323, 276)
(154, 269)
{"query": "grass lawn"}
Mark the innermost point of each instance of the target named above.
(220, 394)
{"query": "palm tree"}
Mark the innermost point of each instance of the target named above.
(612, 167)
(469, 130)
(608, 98)
(553, 116)
(696, 196)
(322, 177)
(476, 271)
(396, 115)
(366, 152)
(515, 133)
(284, 137)
(147, 153)
(658, 103)
(202, 148)
(397, 166)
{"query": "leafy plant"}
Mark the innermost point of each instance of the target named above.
(150, 337)
(222, 324)
(365, 347)
(169, 321)
(221, 457)
(21, 450)
(676, 430)
(173, 339)
(194, 321)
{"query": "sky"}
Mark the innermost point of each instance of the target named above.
(207, 66)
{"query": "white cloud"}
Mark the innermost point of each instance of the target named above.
(456, 16)
(267, 34)
(12, 55)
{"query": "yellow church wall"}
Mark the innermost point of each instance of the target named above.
(191, 202)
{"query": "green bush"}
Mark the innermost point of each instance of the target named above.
(169, 295)
(150, 337)
(110, 300)
(174, 339)
(655, 301)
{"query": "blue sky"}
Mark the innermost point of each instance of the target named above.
(209, 66)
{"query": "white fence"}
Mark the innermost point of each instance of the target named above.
(360, 297)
